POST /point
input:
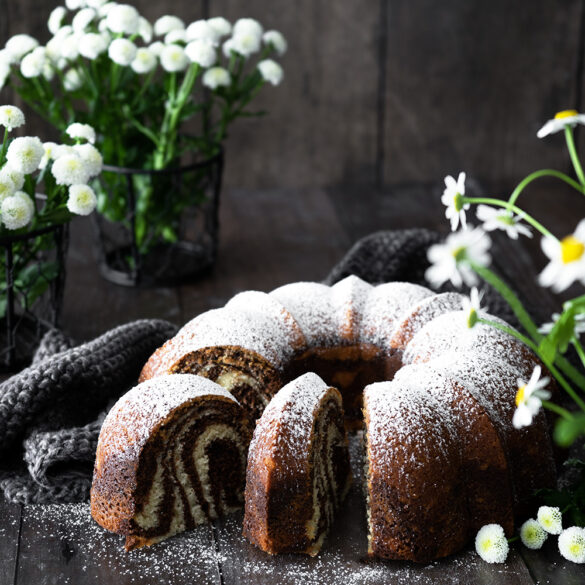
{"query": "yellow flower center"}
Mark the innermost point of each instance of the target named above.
(459, 253)
(571, 249)
(575, 549)
(566, 114)
(458, 201)
(520, 395)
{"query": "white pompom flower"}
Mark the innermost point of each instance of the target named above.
(156, 48)
(25, 153)
(276, 40)
(532, 534)
(72, 80)
(562, 120)
(70, 169)
(92, 45)
(4, 73)
(173, 58)
(551, 519)
(82, 199)
(491, 544)
(201, 52)
(452, 198)
(16, 211)
(494, 218)
(216, 77)
(528, 402)
(83, 19)
(70, 46)
(246, 43)
(56, 18)
(51, 149)
(144, 29)
(228, 47)
(202, 30)
(33, 64)
(221, 26)
(7, 187)
(123, 18)
(572, 544)
(248, 26)
(74, 4)
(451, 259)
(165, 24)
(95, 3)
(15, 176)
(19, 45)
(175, 37)
(271, 71)
(122, 51)
(11, 117)
(91, 158)
(144, 62)
(81, 132)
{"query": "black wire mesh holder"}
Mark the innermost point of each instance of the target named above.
(24, 323)
(122, 262)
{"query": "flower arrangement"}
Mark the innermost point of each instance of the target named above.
(108, 66)
(464, 258)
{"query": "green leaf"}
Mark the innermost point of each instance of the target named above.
(566, 431)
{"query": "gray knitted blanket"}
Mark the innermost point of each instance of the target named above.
(51, 413)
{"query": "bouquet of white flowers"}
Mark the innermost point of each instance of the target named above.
(137, 84)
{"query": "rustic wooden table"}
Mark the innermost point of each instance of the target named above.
(268, 238)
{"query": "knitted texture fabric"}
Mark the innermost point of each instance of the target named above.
(51, 412)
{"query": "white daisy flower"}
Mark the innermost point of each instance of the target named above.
(144, 62)
(83, 19)
(216, 77)
(91, 157)
(567, 260)
(228, 47)
(546, 328)
(246, 26)
(16, 211)
(494, 218)
(19, 45)
(96, 3)
(74, 4)
(123, 18)
(491, 544)
(81, 131)
(25, 153)
(70, 46)
(472, 307)
(122, 51)
(532, 534)
(201, 52)
(246, 44)
(453, 198)
(33, 64)
(11, 117)
(56, 18)
(277, 40)
(561, 121)
(82, 199)
(550, 519)
(70, 169)
(220, 25)
(173, 58)
(165, 24)
(7, 187)
(176, 36)
(529, 398)
(144, 29)
(156, 48)
(72, 80)
(572, 544)
(15, 176)
(449, 259)
(271, 71)
(202, 30)
(50, 149)
(92, 45)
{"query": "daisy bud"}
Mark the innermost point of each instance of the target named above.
(72, 80)
(201, 52)
(17, 211)
(144, 29)
(216, 77)
(69, 169)
(271, 71)
(56, 18)
(24, 154)
(144, 62)
(123, 18)
(173, 58)
(81, 131)
(532, 534)
(11, 117)
(550, 519)
(277, 40)
(491, 544)
(165, 24)
(82, 199)
(122, 51)
(92, 45)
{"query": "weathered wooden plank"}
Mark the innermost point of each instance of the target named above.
(61, 544)
(468, 85)
(548, 566)
(9, 541)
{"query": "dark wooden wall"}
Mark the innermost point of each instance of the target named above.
(393, 92)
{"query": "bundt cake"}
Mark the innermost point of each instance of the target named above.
(353, 335)
(298, 468)
(171, 454)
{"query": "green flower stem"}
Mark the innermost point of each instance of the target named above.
(544, 173)
(145, 86)
(525, 216)
(559, 378)
(574, 157)
(563, 412)
(4, 147)
(578, 347)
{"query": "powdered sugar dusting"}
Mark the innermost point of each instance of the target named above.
(348, 297)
